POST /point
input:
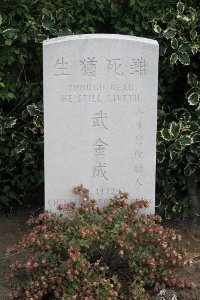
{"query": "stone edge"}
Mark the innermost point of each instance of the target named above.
(99, 36)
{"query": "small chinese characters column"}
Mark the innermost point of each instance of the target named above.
(138, 67)
(100, 146)
(138, 155)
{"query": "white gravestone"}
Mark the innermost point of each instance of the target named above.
(100, 112)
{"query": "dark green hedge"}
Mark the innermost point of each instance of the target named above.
(25, 24)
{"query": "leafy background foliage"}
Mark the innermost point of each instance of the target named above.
(25, 24)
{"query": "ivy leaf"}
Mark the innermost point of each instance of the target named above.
(0, 20)
(195, 149)
(45, 11)
(157, 28)
(173, 58)
(195, 48)
(24, 38)
(160, 147)
(160, 156)
(191, 158)
(20, 147)
(176, 145)
(65, 32)
(168, 193)
(132, 2)
(168, 17)
(180, 7)
(169, 33)
(47, 22)
(145, 25)
(193, 13)
(10, 122)
(193, 34)
(185, 140)
(184, 58)
(174, 129)
(162, 49)
(10, 95)
(194, 126)
(8, 42)
(161, 150)
(189, 169)
(40, 38)
(174, 43)
(183, 48)
(196, 137)
(192, 79)
(10, 33)
(165, 134)
(193, 98)
(197, 111)
(176, 157)
(32, 110)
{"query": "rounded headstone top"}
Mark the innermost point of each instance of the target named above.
(99, 36)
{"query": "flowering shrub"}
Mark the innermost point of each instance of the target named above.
(112, 252)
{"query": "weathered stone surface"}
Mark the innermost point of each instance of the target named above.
(100, 111)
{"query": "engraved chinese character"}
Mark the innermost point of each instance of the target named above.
(139, 112)
(100, 119)
(56, 202)
(139, 125)
(139, 139)
(138, 182)
(88, 66)
(100, 147)
(100, 171)
(138, 168)
(139, 66)
(114, 66)
(61, 67)
(139, 154)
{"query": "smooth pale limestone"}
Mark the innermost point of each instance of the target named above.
(100, 112)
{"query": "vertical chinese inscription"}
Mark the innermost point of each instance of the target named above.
(139, 142)
(99, 123)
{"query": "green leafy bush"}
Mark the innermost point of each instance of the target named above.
(25, 24)
(113, 252)
(179, 110)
